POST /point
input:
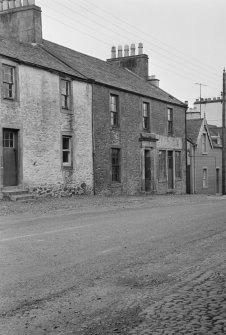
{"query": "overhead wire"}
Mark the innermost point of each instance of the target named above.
(55, 1)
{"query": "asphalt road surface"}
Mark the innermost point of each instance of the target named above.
(144, 270)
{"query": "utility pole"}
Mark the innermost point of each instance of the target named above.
(223, 136)
(200, 96)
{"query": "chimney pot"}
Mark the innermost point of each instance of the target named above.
(1, 5)
(132, 49)
(140, 48)
(31, 2)
(5, 5)
(126, 51)
(113, 52)
(119, 51)
(18, 3)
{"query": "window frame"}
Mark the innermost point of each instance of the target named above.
(146, 118)
(204, 143)
(114, 112)
(205, 177)
(169, 121)
(67, 96)
(162, 176)
(69, 163)
(114, 166)
(12, 67)
(178, 176)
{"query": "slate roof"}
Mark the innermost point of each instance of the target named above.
(193, 129)
(55, 57)
(34, 55)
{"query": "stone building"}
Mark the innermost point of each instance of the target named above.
(204, 158)
(45, 110)
(78, 122)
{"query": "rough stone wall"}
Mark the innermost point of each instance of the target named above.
(127, 138)
(37, 114)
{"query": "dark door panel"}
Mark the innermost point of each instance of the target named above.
(10, 157)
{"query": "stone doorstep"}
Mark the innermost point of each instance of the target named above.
(16, 194)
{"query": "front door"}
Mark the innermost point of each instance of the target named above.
(147, 163)
(10, 157)
(170, 170)
(217, 180)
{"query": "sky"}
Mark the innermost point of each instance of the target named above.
(184, 39)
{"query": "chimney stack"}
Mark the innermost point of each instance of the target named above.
(135, 63)
(21, 21)
(154, 81)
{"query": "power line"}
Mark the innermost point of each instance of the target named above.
(69, 8)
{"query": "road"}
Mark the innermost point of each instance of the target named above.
(150, 269)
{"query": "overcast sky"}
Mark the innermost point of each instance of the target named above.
(184, 39)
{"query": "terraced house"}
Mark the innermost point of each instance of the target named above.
(73, 122)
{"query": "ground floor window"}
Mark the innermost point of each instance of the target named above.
(204, 178)
(178, 170)
(66, 150)
(115, 161)
(162, 164)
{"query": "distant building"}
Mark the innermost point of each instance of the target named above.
(204, 158)
(211, 108)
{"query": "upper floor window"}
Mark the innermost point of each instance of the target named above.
(114, 109)
(65, 93)
(204, 178)
(8, 82)
(170, 121)
(204, 143)
(115, 162)
(146, 118)
(66, 151)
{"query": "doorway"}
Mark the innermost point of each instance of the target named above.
(10, 157)
(147, 170)
(217, 180)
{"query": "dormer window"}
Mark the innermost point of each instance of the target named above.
(8, 82)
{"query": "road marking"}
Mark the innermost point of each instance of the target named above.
(108, 251)
(45, 233)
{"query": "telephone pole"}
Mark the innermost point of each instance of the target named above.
(200, 96)
(223, 136)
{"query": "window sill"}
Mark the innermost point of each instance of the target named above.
(66, 111)
(204, 153)
(67, 167)
(116, 183)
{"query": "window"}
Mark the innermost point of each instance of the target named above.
(115, 161)
(204, 142)
(162, 164)
(170, 121)
(66, 151)
(178, 171)
(8, 139)
(65, 94)
(114, 109)
(8, 82)
(204, 178)
(146, 120)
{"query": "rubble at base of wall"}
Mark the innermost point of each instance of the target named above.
(59, 190)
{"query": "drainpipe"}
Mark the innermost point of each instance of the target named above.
(93, 140)
(186, 147)
(194, 179)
